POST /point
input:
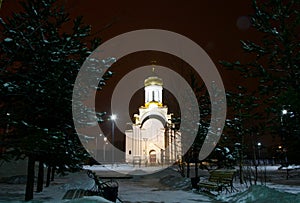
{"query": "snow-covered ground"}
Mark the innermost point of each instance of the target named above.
(125, 169)
(165, 186)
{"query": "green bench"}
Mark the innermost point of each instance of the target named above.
(219, 180)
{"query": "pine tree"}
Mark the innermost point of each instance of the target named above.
(274, 71)
(244, 123)
(40, 58)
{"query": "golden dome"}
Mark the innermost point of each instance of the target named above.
(153, 103)
(153, 80)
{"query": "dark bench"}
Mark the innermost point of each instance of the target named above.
(106, 189)
(218, 180)
(78, 193)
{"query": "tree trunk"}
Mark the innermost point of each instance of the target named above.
(255, 161)
(241, 154)
(52, 173)
(256, 175)
(48, 176)
(30, 178)
(196, 169)
(241, 172)
(40, 181)
(250, 174)
(188, 170)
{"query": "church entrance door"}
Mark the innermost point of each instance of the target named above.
(152, 154)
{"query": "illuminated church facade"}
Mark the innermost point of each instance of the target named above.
(153, 139)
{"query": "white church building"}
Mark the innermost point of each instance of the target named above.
(152, 138)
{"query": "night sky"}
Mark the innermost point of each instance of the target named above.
(217, 26)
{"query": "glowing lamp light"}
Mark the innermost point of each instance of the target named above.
(113, 117)
(284, 111)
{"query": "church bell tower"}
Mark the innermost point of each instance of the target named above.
(153, 91)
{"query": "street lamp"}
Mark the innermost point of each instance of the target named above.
(96, 156)
(104, 147)
(7, 125)
(283, 112)
(259, 147)
(113, 117)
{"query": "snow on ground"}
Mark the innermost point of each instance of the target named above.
(261, 194)
(54, 193)
(125, 169)
(165, 186)
(284, 188)
(133, 193)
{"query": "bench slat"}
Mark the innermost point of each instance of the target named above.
(219, 180)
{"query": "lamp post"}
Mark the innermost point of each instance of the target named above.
(96, 150)
(258, 147)
(284, 113)
(7, 125)
(286, 163)
(104, 148)
(104, 141)
(113, 117)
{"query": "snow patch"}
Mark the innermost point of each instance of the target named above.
(90, 199)
(8, 39)
(258, 193)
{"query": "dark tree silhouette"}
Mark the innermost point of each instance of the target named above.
(273, 70)
(41, 53)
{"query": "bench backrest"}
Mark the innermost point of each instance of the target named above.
(222, 176)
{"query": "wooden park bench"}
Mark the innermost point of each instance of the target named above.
(219, 180)
(78, 193)
(106, 189)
